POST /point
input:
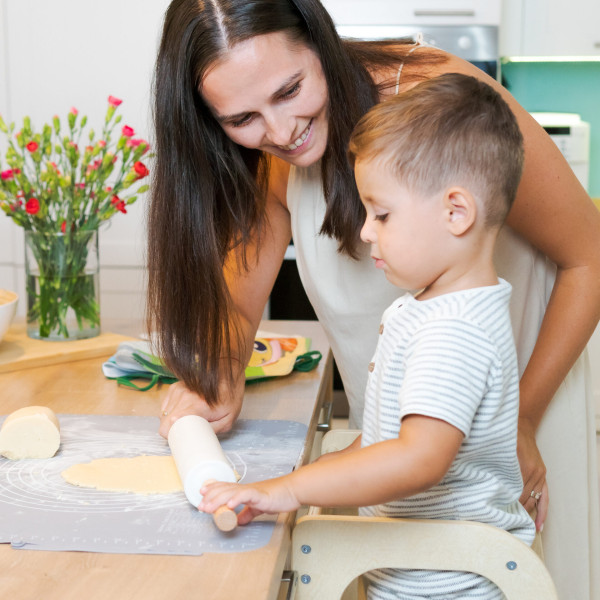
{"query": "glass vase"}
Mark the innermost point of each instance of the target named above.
(62, 277)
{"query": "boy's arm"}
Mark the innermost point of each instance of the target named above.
(386, 471)
(355, 445)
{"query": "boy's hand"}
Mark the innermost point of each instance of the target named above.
(271, 497)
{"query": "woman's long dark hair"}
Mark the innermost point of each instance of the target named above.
(208, 193)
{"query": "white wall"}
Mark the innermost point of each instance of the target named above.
(63, 53)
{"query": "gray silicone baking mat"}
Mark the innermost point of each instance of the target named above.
(39, 510)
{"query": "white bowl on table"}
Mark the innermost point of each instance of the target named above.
(8, 308)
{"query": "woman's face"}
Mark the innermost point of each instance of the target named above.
(270, 94)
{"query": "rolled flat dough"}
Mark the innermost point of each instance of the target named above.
(30, 432)
(140, 475)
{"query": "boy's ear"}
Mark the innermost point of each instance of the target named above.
(460, 210)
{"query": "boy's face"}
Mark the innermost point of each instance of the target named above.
(406, 231)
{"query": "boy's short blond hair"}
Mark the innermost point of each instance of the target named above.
(450, 130)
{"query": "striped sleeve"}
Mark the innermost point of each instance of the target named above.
(448, 364)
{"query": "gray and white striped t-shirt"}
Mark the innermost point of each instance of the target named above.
(452, 358)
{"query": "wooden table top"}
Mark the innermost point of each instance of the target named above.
(79, 387)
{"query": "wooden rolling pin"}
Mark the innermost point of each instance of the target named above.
(199, 459)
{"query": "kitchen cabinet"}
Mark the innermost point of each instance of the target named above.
(414, 12)
(550, 28)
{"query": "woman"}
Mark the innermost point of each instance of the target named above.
(255, 102)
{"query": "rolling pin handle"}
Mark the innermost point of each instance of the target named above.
(225, 518)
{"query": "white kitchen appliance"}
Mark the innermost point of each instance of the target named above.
(572, 136)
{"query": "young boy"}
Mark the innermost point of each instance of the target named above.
(437, 169)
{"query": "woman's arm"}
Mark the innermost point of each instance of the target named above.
(379, 473)
(249, 291)
(554, 213)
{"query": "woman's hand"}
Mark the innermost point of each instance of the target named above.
(180, 401)
(271, 497)
(533, 471)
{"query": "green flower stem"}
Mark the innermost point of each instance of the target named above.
(58, 280)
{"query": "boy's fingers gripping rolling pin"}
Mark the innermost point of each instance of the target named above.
(199, 459)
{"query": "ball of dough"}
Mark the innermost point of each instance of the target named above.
(30, 432)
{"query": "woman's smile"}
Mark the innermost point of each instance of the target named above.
(301, 141)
